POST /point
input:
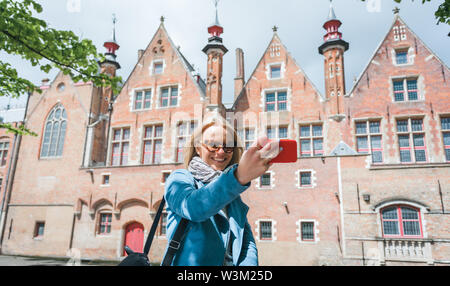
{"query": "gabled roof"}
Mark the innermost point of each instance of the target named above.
(396, 18)
(201, 86)
(342, 149)
(275, 38)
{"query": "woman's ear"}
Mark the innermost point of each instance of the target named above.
(198, 150)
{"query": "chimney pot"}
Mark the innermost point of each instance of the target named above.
(140, 53)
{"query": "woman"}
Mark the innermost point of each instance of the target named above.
(207, 193)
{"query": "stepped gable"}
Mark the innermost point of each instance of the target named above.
(399, 36)
(161, 47)
(292, 76)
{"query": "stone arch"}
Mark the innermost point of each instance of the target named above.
(99, 203)
(155, 206)
(399, 201)
(132, 201)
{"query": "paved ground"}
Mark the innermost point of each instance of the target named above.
(6, 260)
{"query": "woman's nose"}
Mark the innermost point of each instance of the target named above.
(220, 151)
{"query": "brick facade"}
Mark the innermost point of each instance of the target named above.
(118, 148)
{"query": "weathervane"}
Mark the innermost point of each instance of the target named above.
(216, 2)
(114, 20)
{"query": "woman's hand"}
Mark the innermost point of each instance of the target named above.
(256, 160)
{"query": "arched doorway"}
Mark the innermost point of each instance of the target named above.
(134, 237)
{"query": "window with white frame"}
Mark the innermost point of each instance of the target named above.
(120, 145)
(401, 56)
(276, 101)
(142, 99)
(153, 138)
(307, 231)
(405, 89)
(105, 223)
(184, 131)
(4, 146)
(265, 230)
(249, 137)
(158, 67)
(105, 179)
(445, 127)
(368, 139)
(411, 140)
(401, 221)
(311, 140)
(265, 181)
(275, 71)
(280, 132)
(305, 178)
(168, 96)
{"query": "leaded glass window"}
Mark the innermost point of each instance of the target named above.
(54, 133)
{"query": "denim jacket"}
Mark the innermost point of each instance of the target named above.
(206, 237)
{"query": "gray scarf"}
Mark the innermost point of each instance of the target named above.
(202, 171)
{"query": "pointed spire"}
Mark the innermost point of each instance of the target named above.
(332, 25)
(331, 14)
(215, 29)
(217, 13)
(114, 19)
(111, 45)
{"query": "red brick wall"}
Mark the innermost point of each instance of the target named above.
(347, 231)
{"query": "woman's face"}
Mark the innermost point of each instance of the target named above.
(215, 136)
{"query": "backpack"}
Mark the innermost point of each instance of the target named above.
(141, 259)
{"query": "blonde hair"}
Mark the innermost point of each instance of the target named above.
(189, 149)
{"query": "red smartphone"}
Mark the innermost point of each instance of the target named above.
(288, 152)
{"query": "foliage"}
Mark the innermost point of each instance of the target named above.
(33, 40)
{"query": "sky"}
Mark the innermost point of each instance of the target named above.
(247, 25)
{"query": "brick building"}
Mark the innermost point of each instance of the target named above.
(371, 186)
(9, 146)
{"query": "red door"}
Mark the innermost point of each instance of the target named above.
(134, 237)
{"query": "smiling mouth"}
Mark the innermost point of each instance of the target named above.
(218, 160)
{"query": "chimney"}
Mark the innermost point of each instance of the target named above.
(240, 78)
(45, 81)
(140, 53)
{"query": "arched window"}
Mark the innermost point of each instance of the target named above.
(401, 221)
(54, 133)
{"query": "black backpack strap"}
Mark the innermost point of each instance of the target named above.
(150, 236)
(175, 242)
(177, 238)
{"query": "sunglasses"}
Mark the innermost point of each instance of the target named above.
(214, 147)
